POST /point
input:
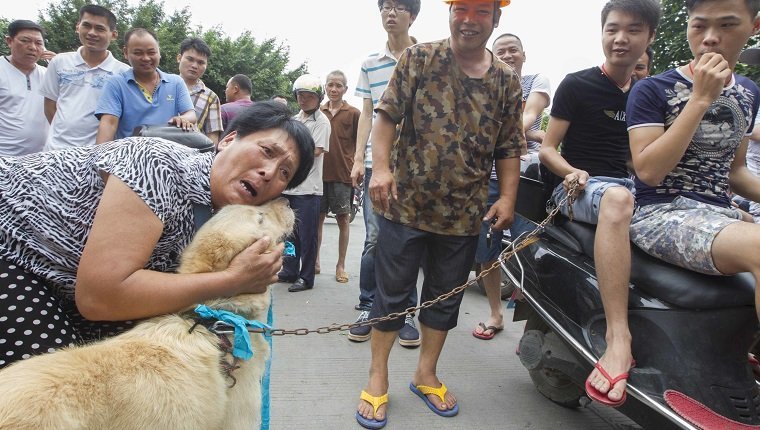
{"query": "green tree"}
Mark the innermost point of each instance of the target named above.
(3, 31)
(265, 63)
(671, 48)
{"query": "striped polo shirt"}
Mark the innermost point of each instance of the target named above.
(375, 74)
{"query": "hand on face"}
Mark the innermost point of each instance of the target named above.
(711, 71)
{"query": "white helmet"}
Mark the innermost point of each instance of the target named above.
(310, 83)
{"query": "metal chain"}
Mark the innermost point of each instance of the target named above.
(505, 255)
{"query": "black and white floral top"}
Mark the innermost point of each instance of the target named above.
(48, 202)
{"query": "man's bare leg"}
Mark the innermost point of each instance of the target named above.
(432, 344)
(612, 255)
(381, 344)
(344, 229)
(319, 241)
(492, 285)
(734, 250)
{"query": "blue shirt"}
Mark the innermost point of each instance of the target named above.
(702, 172)
(123, 98)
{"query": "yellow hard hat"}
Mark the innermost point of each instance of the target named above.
(502, 3)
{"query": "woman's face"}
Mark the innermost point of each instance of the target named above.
(254, 169)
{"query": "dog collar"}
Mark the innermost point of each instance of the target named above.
(241, 341)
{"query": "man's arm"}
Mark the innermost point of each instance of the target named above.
(740, 179)
(656, 151)
(107, 128)
(382, 185)
(50, 108)
(534, 106)
(362, 136)
(186, 120)
(551, 158)
(755, 132)
(502, 212)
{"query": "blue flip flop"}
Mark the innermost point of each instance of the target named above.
(376, 402)
(423, 390)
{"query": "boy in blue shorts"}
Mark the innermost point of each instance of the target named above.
(588, 118)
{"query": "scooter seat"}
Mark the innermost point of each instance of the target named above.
(675, 285)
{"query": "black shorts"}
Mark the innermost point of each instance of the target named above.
(446, 262)
(33, 320)
(336, 198)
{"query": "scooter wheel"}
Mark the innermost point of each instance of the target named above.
(557, 387)
(551, 383)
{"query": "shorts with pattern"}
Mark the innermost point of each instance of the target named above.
(336, 198)
(586, 205)
(681, 232)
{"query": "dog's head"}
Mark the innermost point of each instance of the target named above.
(276, 217)
(230, 231)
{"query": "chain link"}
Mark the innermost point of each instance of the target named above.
(506, 254)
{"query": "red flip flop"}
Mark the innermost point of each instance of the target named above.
(602, 398)
(485, 336)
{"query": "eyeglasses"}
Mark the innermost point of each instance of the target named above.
(386, 9)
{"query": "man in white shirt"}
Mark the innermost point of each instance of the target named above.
(74, 80)
(300, 269)
(23, 127)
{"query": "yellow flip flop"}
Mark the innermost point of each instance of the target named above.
(376, 402)
(423, 390)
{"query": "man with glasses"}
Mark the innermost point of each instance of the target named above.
(23, 127)
(374, 76)
(459, 108)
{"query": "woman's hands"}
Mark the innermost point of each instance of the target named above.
(256, 267)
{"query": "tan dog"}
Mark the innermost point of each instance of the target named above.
(158, 375)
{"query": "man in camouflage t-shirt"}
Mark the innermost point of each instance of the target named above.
(459, 108)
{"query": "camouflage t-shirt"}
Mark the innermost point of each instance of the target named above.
(453, 128)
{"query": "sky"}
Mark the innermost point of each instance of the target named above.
(559, 36)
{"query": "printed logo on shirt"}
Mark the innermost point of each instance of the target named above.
(170, 98)
(616, 115)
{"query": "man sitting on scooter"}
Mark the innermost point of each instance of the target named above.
(689, 130)
(588, 117)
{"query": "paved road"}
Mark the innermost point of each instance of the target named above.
(316, 379)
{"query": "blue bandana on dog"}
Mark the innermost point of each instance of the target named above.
(241, 342)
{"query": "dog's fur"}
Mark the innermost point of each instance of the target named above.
(158, 375)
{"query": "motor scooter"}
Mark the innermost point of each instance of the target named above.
(691, 332)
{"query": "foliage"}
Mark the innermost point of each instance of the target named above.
(3, 31)
(265, 63)
(671, 48)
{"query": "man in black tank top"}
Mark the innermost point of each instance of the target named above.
(588, 118)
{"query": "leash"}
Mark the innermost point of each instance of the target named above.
(521, 243)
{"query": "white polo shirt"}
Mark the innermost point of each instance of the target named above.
(23, 126)
(76, 88)
(320, 129)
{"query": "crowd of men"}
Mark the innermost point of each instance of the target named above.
(436, 147)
